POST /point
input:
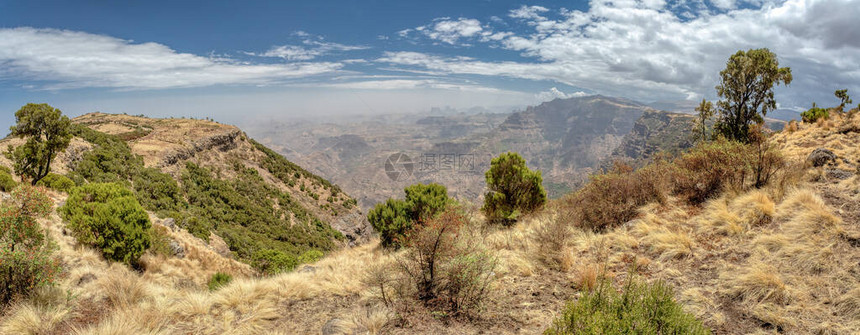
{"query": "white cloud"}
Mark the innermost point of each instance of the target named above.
(69, 59)
(528, 12)
(407, 84)
(555, 93)
(644, 50)
(447, 30)
(313, 49)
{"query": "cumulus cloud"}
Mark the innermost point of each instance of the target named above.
(447, 30)
(70, 59)
(651, 49)
(555, 93)
(311, 49)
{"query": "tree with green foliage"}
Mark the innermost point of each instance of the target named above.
(394, 218)
(705, 111)
(26, 261)
(513, 189)
(746, 87)
(843, 97)
(47, 132)
(108, 217)
(426, 200)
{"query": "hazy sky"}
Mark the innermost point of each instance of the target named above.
(233, 60)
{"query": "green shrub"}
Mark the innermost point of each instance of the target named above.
(271, 261)
(158, 191)
(513, 189)
(109, 218)
(7, 183)
(311, 256)
(198, 227)
(25, 253)
(160, 244)
(218, 280)
(613, 198)
(5, 169)
(426, 201)
(813, 114)
(56, 182)
(640, 309)
(393, 219)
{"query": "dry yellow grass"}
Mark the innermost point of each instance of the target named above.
(781, 256)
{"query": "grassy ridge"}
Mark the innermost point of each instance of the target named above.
(250, 214)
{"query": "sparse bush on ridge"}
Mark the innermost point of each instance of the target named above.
(26, 261)
(814, 114)
(613, 198)
(702, 173)
(108, 217)
(640, 308)
(442, 268)
(514, 190)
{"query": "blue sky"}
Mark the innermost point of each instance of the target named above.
(236, 61)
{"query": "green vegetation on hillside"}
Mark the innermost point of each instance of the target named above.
(243, 212)
(251, 215)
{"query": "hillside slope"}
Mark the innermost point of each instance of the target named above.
(781, 259)
(214, 181)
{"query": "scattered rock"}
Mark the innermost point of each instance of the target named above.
(838, 174)
(821, 157)
(335, 327)
(307, 269)
(177, 249)
(169, 223)
(5, 196)
(86, 279)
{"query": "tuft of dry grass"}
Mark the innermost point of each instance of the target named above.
(756, 283)
(587, 276)
(849, 304)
